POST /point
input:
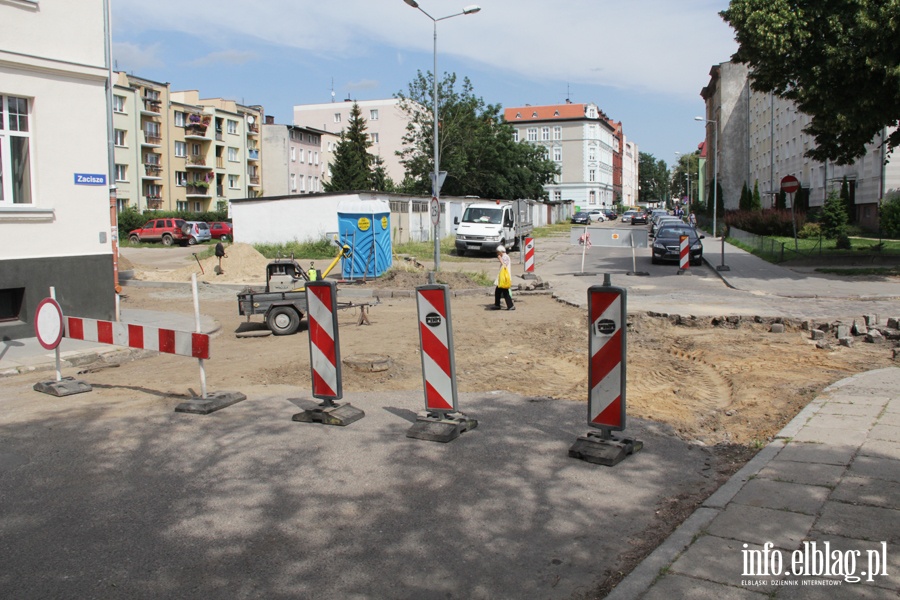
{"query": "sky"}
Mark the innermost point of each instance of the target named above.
(643, 62)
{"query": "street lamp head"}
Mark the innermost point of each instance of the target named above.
(469, 10)
(412, 3)
(695, 118)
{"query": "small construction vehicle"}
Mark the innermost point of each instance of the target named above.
(284, 300)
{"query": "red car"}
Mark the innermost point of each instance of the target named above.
(222, 230)
(167, 231)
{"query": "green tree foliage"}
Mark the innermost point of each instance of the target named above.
(890, 216)
(685, 170)
(848, 201)
(746, 198)
(477, 147)
(837, 60)
(352, 166)
(781, 201)
(653, 178)
(833, 218)
(755, 200)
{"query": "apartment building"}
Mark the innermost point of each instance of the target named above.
(385, 125)
(630, 162)
(54, 163)
(176, 151)
(761, 140)
(295, 160)
(580, 140)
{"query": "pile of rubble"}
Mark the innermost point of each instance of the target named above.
(866, 329)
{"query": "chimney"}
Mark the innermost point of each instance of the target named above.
(270, 119)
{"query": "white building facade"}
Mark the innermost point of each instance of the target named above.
(578, 138)
(55, 214)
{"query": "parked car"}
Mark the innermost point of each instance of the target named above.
(581, 218)
(639, 217)
(667, 243)
(665, 219)
(197, 232)
(221, 230)
(627, 215)
(597, 215)
(167, 231)
(611, 214)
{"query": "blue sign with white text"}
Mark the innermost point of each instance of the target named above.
(90, 178)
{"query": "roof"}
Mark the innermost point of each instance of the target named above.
(554, 112)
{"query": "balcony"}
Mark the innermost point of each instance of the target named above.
(151, 139)
(253, 154)
(254, 181)
(194, 131)
(154, 202)
(220, 162)
(198, 190)
(151, 107)
(253, 128)
(152, 171)
(196, 162)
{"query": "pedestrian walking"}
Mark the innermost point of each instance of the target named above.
(692, 219)
(220, 254)
(504, 281)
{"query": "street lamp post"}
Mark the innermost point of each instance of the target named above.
(436, 181)
(721, 267)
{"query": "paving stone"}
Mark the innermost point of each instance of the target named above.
(881, 449)
(888, 433)
(783, 495)
(678, 586)
(803, 473)
(855, 410)
(868, 491)
(877, 467)
(760, 525)
(891, 582)
(846, 422)
(845, 398)
(818, 453)
(832, 435)
(717, 559)
(891, 418)
(848, 591)
(861, 522)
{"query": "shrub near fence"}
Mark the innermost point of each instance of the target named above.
(765, 222)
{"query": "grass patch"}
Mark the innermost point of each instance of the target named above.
(880, 271)
(552, 230)
(316, 249)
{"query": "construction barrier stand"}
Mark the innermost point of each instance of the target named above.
(529, 255)
(324, 345)
(606, 369)
(436, 343)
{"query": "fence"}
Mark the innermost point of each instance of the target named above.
(772, 247)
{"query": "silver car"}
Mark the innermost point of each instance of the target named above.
(198, 232)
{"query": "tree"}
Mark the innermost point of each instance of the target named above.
(746, 198)
(477, 148)
(848, 200)
(834, 217)
(653, 178)
(755, 200)
(837, 60)
(889, 216)
(352, 166)
(685, 170)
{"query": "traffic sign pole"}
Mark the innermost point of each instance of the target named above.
(791, 185)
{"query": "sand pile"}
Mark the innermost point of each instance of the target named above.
(242, 264)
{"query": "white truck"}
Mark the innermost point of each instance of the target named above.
(486, 225)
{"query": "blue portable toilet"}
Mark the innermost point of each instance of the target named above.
(366, 226)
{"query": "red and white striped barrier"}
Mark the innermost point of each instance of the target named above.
(436, 340)
(324, 346)
(183, 343)
(606, 370)
(529, 255)
(684, 250)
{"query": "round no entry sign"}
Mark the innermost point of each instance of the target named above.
(790, 184)
(48, 323)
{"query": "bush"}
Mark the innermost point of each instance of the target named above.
(890, 216)
(130, 219)
(834, 217)
(843, 242)
(809, 231)
(771, 222)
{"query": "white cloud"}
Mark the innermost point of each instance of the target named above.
(656, 46)
(227, 57)
(135, 58)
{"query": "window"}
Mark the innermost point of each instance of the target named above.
(293, 182)
(181, 205)
(120, 138)
(232, 154)
(374, 137)
(15, 151)
(121, 172)
(302, 185)
(180, 178)
(515, 135)
(233, 182)
(557, 154)
(231, 126)
(317, 157)
(337, 117)
(545, 134)
(293, 154)
(592, 153)
(180, 149)
(119, 104)
(557, 133)
(302, 155)
(592, 175)
(195, 149)
(179, 118)
(309, 181)
(532, 134)
(373, 114)
(557, 195)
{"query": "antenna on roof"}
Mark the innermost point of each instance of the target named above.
(332, 89)
(568, 94)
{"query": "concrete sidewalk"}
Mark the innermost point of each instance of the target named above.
(827, 489)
